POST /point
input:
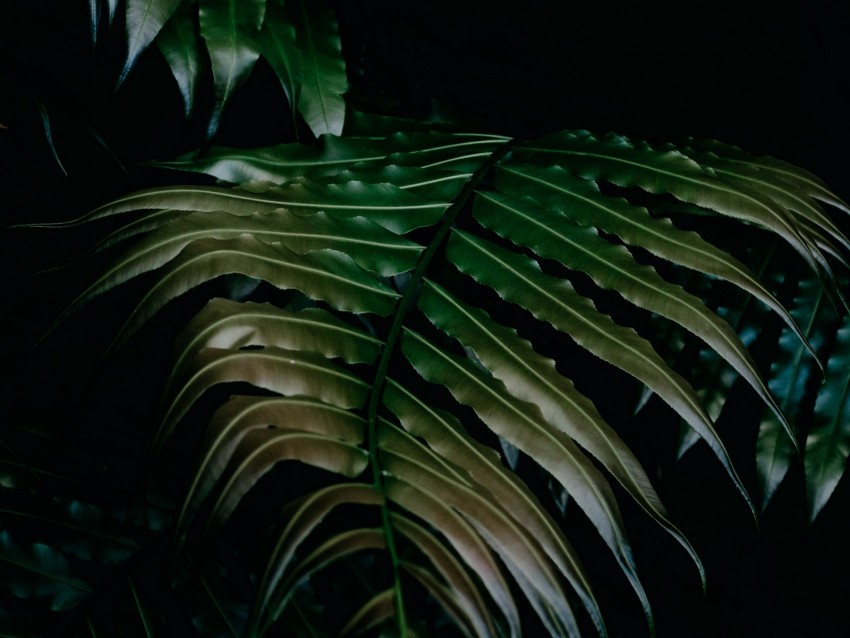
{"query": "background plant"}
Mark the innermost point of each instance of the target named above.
(716, 384)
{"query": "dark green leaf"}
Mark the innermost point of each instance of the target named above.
(180, 44)
(41, 572)
(144, 19)
(322, 70)
(230, 28)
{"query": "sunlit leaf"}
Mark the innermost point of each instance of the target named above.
(260, 450)
(327, 275)
(287, 372)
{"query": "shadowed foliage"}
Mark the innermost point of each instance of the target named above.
(414, 369)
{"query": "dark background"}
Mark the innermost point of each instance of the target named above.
(771, 78)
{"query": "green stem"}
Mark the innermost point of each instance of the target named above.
(403, 309)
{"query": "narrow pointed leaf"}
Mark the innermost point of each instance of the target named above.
(179, 42)
(337, 547)
(790, 374)
(462, 591)
(242, 415)
(463, 153)
(277, 43)
(286, 372)
(144, 620)
(302, 519)
(227, 324)
(798, 177)
(446, 599)
(230, 28)
(581, 201)
(260, 450)
(784, 191)
(322, 77)
(144, 19)
(463, 537)
(377, 610)
(519, 280)
(323, 275)
(523, 425)
(385, 204)
(367, 244)
(828, 442)
(45, 123)
(624, 163)
(515, 546)
(533, 378)
(446, 436)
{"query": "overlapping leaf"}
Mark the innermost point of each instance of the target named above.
(372, 234)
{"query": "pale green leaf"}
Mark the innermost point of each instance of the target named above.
(244, 414)
(410, 462)
(463, 599)
(462, 536)
(227, 324)
(286, 372)
(445, 435)
(261, 449)
(533, 378)
(323, 275)
(385, 204)
(367, 244)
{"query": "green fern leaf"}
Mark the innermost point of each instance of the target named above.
(828, 441)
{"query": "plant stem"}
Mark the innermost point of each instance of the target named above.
(402, 310)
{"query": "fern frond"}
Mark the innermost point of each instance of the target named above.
(436, 273)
